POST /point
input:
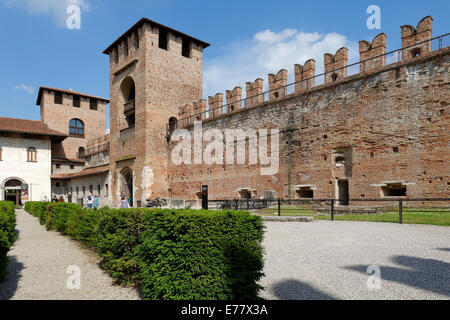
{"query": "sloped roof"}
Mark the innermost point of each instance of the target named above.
(81, 174)
(30, 127)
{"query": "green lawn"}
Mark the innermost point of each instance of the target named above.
(437, 218)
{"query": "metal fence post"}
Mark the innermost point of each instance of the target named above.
(400, 211)
(332, 210)
(279, 207)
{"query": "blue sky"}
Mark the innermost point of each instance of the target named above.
(249, 39)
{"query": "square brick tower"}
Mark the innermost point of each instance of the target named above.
(81, 116)
(154, 70)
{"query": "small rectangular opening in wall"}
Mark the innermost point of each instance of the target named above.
(93, 104)
(305, 193)
(163, 39)
(394, 190)
(58, 98)
(186, 48)
(76, 101)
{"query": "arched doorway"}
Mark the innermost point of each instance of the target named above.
(126, 187)
(15, 191)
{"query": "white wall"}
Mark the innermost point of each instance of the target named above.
(14, 165)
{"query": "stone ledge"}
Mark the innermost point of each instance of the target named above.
(288, 219)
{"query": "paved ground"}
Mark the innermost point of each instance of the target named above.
(329, 260)
(38, 268)
(318, 260)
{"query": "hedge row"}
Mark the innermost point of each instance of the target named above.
(7, 234)
(171, 254)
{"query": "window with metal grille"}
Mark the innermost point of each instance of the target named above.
(76, 128)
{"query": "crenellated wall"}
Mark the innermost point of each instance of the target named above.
(387, 126)
(372, 58)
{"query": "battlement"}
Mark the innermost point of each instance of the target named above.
(304, 76)
(233, 99)
(416, 43)
(277, 85)
(373, 52)
(412, 36)
(336, 65)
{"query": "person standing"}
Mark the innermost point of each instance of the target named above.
(96, 202)
(90, 201)
(124, 203)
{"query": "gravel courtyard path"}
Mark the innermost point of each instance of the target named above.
(38, 268)
(329, 260)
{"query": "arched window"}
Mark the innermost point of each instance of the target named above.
(128, 89)
(76, 128)
(31, 154)
(81, 153)
(172, 124)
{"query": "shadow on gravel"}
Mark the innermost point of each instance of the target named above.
(426, 274)
(296, 290)
(444, 249)
(9, 287)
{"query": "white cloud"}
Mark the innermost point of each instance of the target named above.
(268, 52)
(54, 8)
(27, 89)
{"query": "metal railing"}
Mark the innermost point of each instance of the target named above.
(390, 58)
(332, 207)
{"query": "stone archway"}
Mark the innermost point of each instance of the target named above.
(15, 190)
(126, 185)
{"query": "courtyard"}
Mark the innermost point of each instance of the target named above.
(303, 261)
(329, 260)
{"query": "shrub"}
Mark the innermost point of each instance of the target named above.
(7, 234)
(172, 254)
(118, 236)
(192, 255)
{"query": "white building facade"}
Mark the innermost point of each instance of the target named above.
(25, 160)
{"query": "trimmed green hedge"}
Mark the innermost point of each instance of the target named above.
(171, 254)
(7, 234)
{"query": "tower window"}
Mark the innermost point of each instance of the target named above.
(395, 149)
(93, 104)
(116, 55)
(136, 40)
(163, 39)
(58, 98)
(76, 101)
(186, 48)
(76, 128)
(125, 47)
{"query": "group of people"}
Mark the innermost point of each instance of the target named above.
(93, 201)
(125, 202)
